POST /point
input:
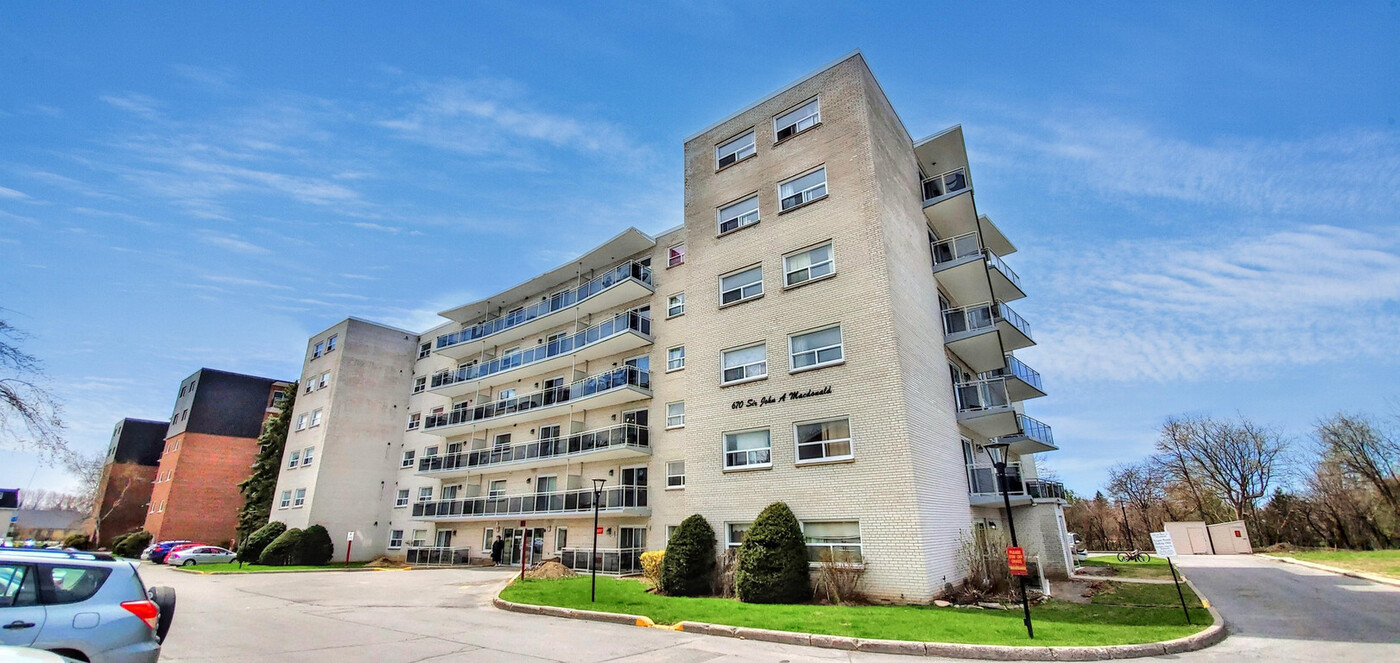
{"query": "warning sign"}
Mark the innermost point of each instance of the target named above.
(599, 531)
(1016, 559)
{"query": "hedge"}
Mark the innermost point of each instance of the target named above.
(132, 544)
(772, 566)
(315, 547)
(689, 564)
(283, 551)
(251, 550)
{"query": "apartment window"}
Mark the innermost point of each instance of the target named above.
(797, 120)
(815, 349)
(293, 460)
(401, 498)
(832, 541)
(496, 488)
(420, 384)
(424, 350)
(299, 498)
(675, 305)
(407, 460)
(671, 529)
(737, 215)
(746, 363)
(310, 384)
(395, 539)
(430, 452)
(741, 286)
(316, 417)
(285, 500)
(320, 350)
(488, 539)
(675, 358)
(330, 343)
(415, 420)
(675, 475)
(802, 190)
(325, 380)
(814, 263)
(675, 255)
(746, 449)
(278, 398)
(162, 507)
(675, 414)
(448, 493)
(420, 538)
(306, 456)
(183, 387)
(301, 422)
(561, 538)
(734, 533)
(823, 440)
(185, 416)
(425, 494)
(735, 150)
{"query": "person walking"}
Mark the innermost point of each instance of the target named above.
(498, 549)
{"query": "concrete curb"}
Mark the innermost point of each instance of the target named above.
(1213, 634)
(182, 569)
(1359, 575)
(1144, 581)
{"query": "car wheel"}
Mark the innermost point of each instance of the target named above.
(188, 562)
(164, 598)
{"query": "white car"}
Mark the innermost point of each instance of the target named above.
(199, 555)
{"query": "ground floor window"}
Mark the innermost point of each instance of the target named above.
(561, 538)
(488, 539)
(420, 538)
(395, 539)
(832, 541)
(734, 533)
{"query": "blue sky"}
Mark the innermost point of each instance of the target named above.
(1206, 196)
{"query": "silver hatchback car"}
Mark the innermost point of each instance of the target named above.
(86, 606)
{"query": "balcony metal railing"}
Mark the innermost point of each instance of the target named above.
(982, 316)
(982, 481)
(609, 561)
(589, 386)
(1034, 430)
(1044, 489)
(1014, 368)
(952, 181)
(558, 301)
(622, 436)
(615, 499)
(955, 248)
(994, 261)
(437, 555)
(985, 394)
(630, 321)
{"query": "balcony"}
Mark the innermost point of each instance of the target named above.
(1006, 284)
(984, 490)
(970, 273)
(616, 501)
(1022, 381)
(620, 333)
(608, 561)
(982, 334)
(985, 407)
(948, 203)
(614, 387)
(614, 442)
(619, 285)
(1031, 437)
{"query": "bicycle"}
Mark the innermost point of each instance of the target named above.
(1134, 556)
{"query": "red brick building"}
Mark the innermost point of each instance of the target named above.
(124, 491)
(209, 449)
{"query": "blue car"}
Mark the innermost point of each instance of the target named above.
(157, 552)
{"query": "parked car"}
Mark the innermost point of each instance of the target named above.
(1077, 548)
(199, 555)
(85, 606)
(30, 655)
(158, 555)
(163, 546)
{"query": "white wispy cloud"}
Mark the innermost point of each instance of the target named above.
(133, 102)
(377, 227)
(234, 280)
(11, 194)
(233, 244)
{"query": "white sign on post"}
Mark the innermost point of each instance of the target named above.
(1162, 541)
(350, 537)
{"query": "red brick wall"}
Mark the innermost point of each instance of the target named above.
(201, 498)
(122, 505)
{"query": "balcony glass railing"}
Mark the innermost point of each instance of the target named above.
(952, 181)
(1033, 429)
(956, 248)
(558, 301)
(981, 395)
(614, 499)
(622, 436)
(1044, 489)
(617, 325)
(982, 316)
(589, 386)
(608, 561)
(982, 479)
(1014, 368)
(994, 261)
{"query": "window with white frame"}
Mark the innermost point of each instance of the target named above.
(415, 420)
(675, 358)
(675, 475)
(675, 255)
(799, 119)
(330, 343)
(424, 350)
(420, 538)
(449, 493)
(833, 541)
(420, 384)
(735, 150)
(320, 350)
(310, 384)
(162, 507)
(316, 417)
(401, 498)
(737, 215)
(734, 534)
(286, 499)
(325, 380)
(488, 539)
(561, 538)
(802, 190)
(815, 349)
(407, 460)
(425, 494)
(301, 421)
(805, 266)
(430, 451)
(293, 460)
(675, 414)
(299, 498)
(746, 363)
(675, 305)
(306, 456)
(823, 440)
(496, 488)
(741, 286)
(744, 449)
(670, 530)
(395, 539)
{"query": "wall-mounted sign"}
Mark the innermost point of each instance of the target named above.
(781, 398)
(1016, 560)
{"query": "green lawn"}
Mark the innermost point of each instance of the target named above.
(254, 568)
(1383, 562)
(1156, 568)
(1145, 594)
(1056, 622)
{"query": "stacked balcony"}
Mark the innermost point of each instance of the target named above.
(985, 490)
(611, 443)
(614, 387)
(578, 503)
(971, 273)
(982, 334)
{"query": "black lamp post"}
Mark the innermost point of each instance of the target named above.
(996, 449)
(593, 554)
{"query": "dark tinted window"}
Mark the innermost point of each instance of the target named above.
(17, 586)
(70, 584)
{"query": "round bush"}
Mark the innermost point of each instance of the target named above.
(77, 542)
(283, 549)
(251, 549)
(651, 566)
(314, 548)
(689, 564)
(132, 544)
(772, 566)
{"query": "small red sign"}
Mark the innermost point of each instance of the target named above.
(1016, 559)
(600, 531)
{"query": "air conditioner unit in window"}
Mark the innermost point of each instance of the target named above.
(792, 201)
(728, 159)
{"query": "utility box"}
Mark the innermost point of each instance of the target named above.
(1230, 538)
(1190, 537)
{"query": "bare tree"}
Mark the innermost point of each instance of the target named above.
(1361, 448)
(1234, 459)
(122, 488)
(1142, 487)
(30, 417)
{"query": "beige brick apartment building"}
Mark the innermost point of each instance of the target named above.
(794, 340)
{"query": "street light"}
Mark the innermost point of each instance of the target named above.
(996, 450)
(593, 554)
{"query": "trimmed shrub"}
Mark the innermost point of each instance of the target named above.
(651, 566)
(772, 565)
(314, 548)
(132, 544)
(689, 564)
(252, 549)
(283, 549)
(77, 542)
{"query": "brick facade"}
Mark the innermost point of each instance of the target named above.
(200, 499)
